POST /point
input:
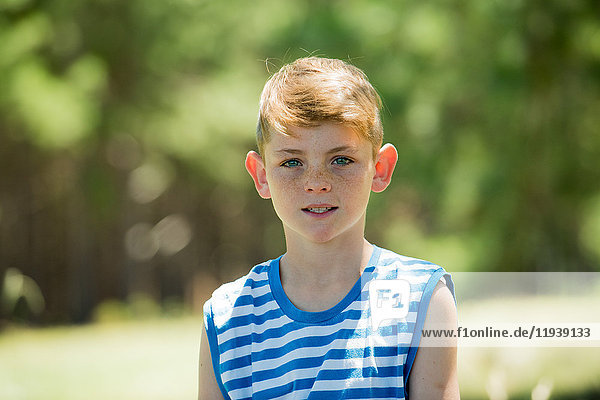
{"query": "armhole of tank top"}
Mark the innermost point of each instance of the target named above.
(211, 333)
(421, 315)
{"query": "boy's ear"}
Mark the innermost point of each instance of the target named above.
(386, 160)
(256, 169)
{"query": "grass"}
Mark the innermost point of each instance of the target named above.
(514, 372)
(128, 360)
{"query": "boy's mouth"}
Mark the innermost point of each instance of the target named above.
(319, 210)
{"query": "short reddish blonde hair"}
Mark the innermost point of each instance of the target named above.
(314, 90)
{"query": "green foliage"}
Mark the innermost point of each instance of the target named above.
(138, 307)
(20, 290)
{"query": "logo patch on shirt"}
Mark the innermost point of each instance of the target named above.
(389, 299)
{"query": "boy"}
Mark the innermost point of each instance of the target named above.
(334, 317)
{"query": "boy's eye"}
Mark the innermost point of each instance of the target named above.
(291, 163)
(342, 161)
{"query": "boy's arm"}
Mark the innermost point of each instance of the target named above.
(433, 374)
(208, 389)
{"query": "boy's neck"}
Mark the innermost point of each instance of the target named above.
(316, 276)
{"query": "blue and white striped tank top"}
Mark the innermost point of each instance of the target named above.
(263, 347)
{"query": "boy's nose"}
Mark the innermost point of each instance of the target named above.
(317, 183)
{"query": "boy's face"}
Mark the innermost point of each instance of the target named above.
(319, 179)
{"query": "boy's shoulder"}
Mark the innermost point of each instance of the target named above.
(230, 294)
(422, 275)
(392, 261)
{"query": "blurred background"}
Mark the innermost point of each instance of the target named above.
(124, 201)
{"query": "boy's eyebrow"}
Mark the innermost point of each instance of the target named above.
(289, 151)
(339, 149)
(343, 149)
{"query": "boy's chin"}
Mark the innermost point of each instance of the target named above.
(322, 238)
(296, 237)
(322, 235)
